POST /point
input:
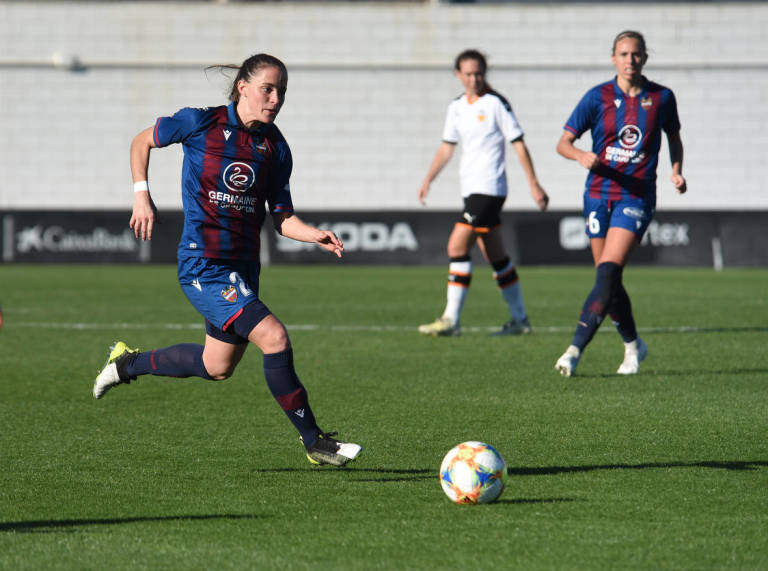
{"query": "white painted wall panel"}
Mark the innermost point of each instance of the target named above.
(368, 88)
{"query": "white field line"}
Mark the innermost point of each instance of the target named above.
(317, 327)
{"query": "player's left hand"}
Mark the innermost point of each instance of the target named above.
(423, 192)
(327, 240)
(679, 181)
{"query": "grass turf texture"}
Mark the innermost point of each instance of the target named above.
(666, 469)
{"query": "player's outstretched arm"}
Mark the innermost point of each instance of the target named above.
(291, 226)
(144, 214)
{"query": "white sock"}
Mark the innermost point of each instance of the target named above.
(457, 291)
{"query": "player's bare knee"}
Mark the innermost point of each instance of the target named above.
(275, 341)
(221, 373)
(457, 251)
(270, 336)
(219, 370)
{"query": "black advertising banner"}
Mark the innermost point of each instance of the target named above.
(677, 238)
(714, 239)
(83, 237)
(373, 238)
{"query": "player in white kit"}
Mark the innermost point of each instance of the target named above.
(483, 121)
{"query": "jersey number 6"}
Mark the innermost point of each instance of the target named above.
(593, 224)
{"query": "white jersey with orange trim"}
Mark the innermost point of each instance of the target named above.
(483, 127)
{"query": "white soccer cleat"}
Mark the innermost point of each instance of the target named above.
(566, 364)
(634, 353)
(441, 327)
(107, 379)
(108, 376)
(328, 450)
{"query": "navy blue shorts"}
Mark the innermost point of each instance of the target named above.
(223, 291)
(634, 214)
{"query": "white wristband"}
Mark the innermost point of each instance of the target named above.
(141, 186)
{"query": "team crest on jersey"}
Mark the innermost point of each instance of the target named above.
(630, 136)
(230, 294)
(480, 115)
(646, 103)
(617, 102)
(238, 177)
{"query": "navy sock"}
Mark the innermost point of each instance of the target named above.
(290, 394)
(183, 360)
(597, 303)
(621, 314)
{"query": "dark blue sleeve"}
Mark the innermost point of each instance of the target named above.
(279, 199)
(671, 120)
(177, 128)
(582, 118)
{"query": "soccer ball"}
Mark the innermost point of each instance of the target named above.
(473, 473)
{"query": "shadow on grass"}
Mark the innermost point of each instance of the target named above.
(522, 501)
(410, 475)
(387, 474)
(48, 526)
(647, 372)
(550, 470)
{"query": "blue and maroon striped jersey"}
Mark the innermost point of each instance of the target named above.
(229, 173)
(626, 137)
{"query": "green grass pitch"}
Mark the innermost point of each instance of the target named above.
(664, 470)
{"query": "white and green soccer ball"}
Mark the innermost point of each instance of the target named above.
(473, 473)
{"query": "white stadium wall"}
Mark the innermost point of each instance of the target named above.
(369, 84)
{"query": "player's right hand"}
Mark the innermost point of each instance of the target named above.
(144, 216)
(588, 160)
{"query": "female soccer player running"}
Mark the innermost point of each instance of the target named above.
(626, 116)
(235, 161)
(483, 121)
